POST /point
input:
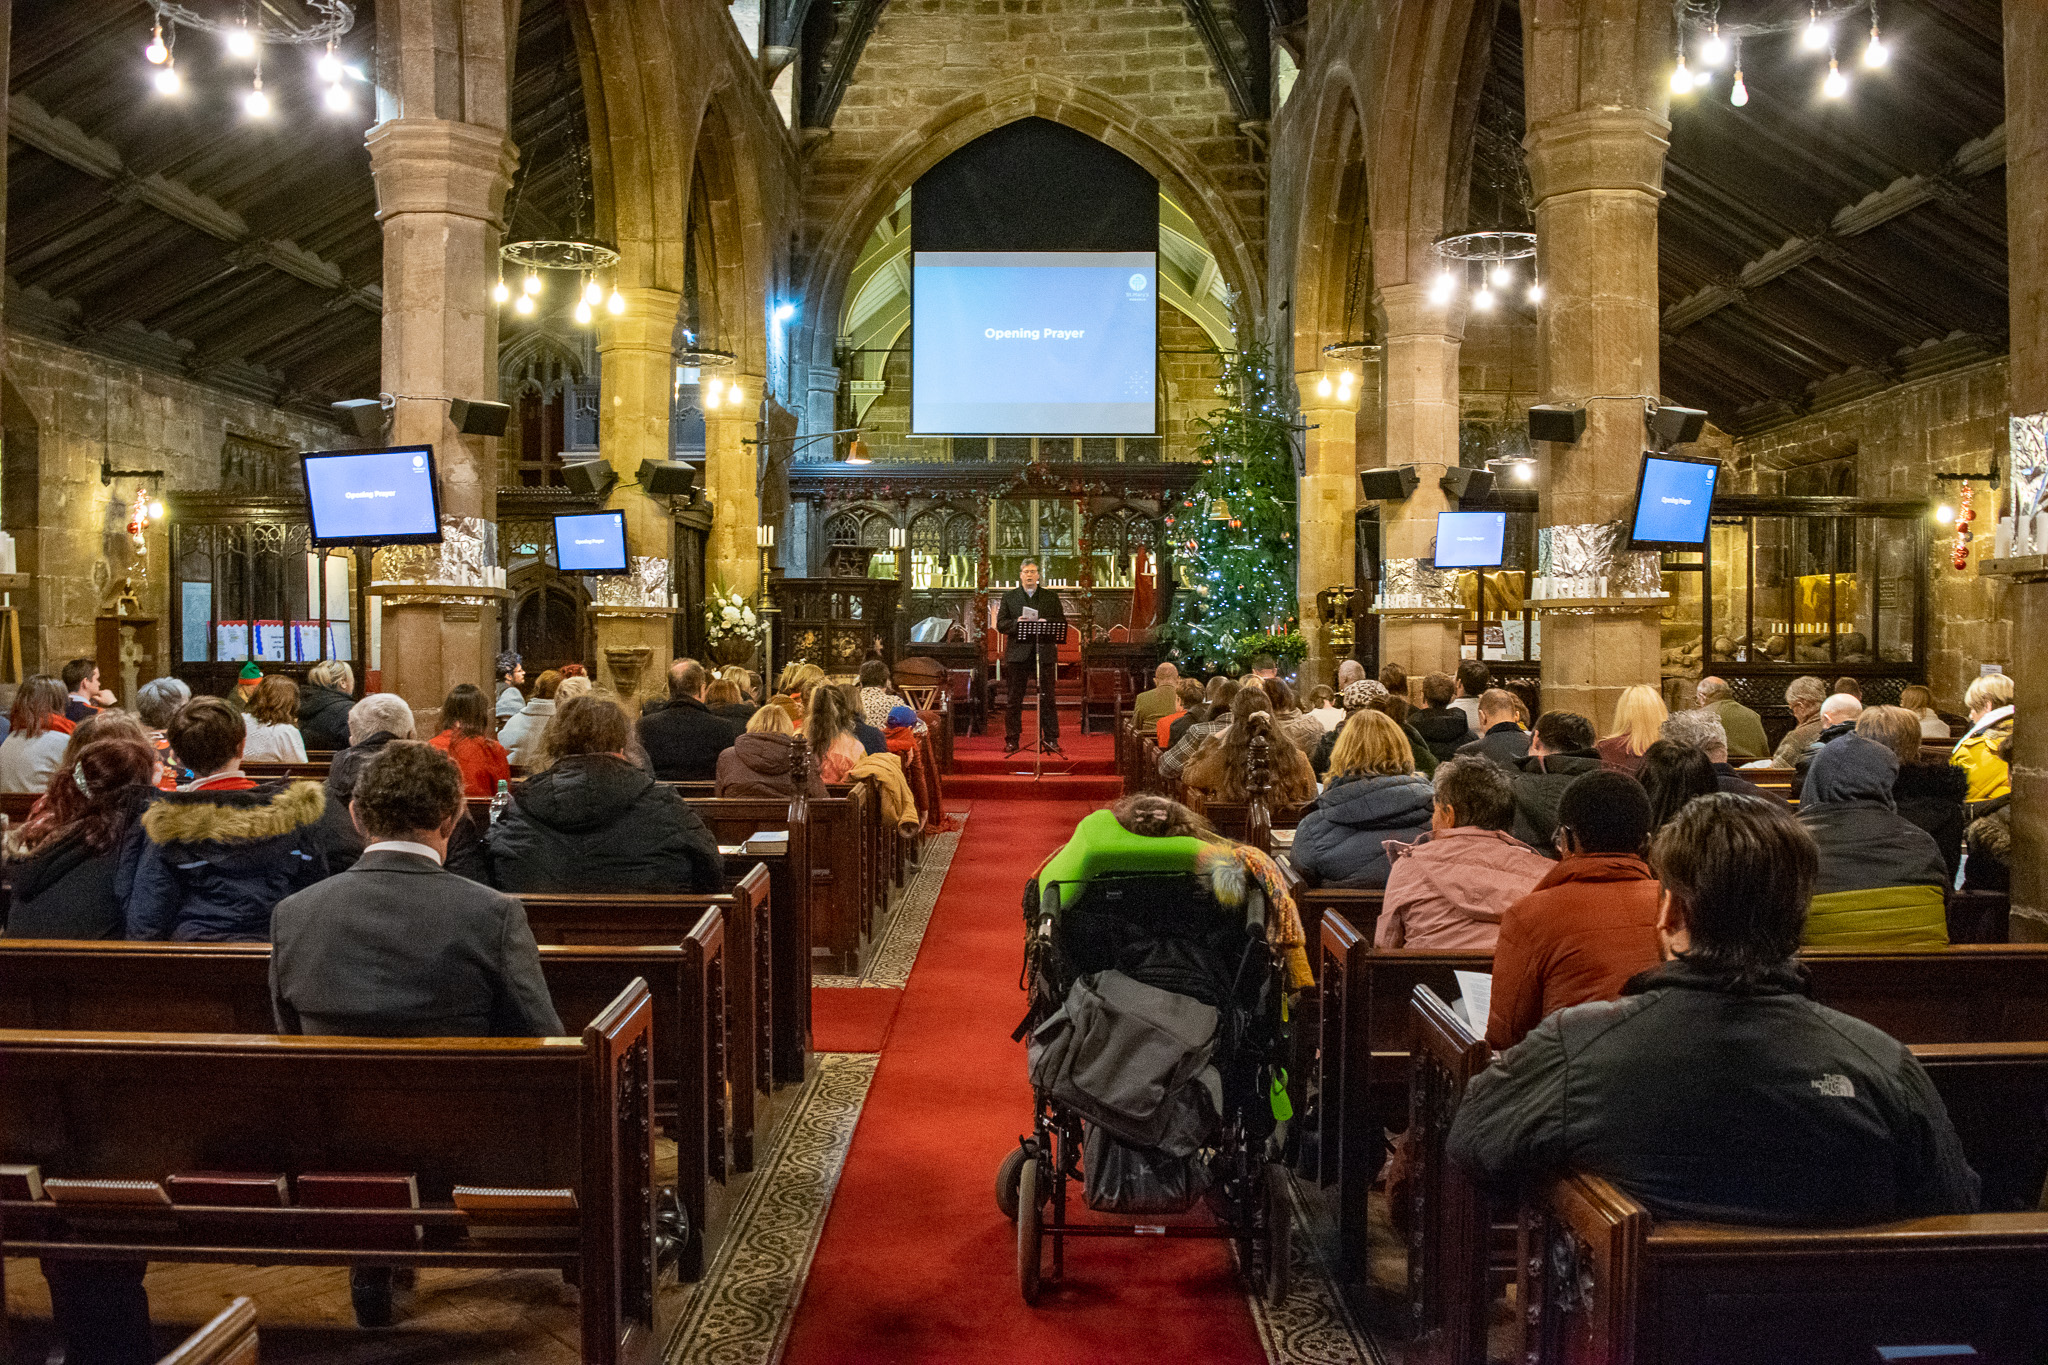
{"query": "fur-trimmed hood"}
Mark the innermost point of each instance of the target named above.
(234, 817)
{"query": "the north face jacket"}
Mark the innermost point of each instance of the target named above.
(215, 863)
(1731, 1103)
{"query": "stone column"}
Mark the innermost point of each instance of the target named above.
(635, 643)
(1597, 174)
(1420, 427)
(1328, 532)
(2026, 184)
(732, 482)
(440, 191)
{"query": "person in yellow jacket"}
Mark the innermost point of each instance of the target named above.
(1979, 752)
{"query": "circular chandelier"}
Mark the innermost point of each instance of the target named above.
(323, 23)
(1714, 44)
(583, 258)
(1494, 251)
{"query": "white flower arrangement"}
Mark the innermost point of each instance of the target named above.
(729, 616)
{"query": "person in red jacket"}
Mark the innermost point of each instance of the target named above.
(1591, 923)
(467, 740)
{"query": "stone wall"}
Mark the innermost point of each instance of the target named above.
(1900, 439)
(69, 409)
(1190, 368)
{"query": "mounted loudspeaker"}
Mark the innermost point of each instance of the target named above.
(1675, 426)
(589, 476)
(1555, 422)
(1392, 484)
(475, 417)
(363, 416)
(667, 478)
(1461, 482)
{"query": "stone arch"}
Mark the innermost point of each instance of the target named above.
(724, 217)
(1412, 172)
(1032, 94)
(642, 136)
(1332, 237)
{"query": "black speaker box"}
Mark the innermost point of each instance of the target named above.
(1676, 426)
(363, 416)
(667, 478)
(1462, 482)
(589, 476)
(1552, 422)
(1392, 484)
(475, 417)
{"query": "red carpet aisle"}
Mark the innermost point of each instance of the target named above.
(916, 1264)
(855, 1020)
(1088, 773)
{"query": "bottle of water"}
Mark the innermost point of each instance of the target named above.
(501, 800)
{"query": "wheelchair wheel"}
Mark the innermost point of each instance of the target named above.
(1006, 1180)
(1278, 1264)
(1030, 1231)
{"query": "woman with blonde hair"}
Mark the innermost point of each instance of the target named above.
(760, 762)
(1375, 796)
(1638, 717)
(793, 690)
(828, 725)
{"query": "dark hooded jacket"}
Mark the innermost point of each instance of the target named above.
(1443, 728)
(323, 717)
(343, 843)
(683, 740)
(594, 822)
(213, 864)
(1864, 842)
(1539, 787)
(1341, 839)
(66, 890)
(1934, 797)
(1506, 744)
(757, 765)
(1731, 1103)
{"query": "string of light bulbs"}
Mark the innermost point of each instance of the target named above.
(1715, 44)
(586, 259)
(244, 41)
(1494, 253)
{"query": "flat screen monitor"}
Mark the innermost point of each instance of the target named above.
(1674, 499)
(591, 542)
(373, 497)
(1470, 540)
(1034, 343)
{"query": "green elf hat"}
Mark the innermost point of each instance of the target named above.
(250, 672)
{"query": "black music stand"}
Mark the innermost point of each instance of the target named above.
(1034, 631)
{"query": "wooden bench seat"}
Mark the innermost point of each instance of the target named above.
(525, 1113)
(230, 1339)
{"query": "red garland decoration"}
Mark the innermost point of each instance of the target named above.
(1960, 557)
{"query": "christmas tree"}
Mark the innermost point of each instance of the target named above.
(1235, 532)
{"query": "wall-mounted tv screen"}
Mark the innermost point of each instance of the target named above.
(1674, 499)
(373, 497)
(1034, 343)
(1470, 540)
(591, 542)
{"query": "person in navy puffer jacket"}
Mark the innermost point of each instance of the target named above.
(1374, 795)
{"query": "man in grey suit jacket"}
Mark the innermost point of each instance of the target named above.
(398, 946)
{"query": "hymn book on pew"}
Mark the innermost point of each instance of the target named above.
(366, 1190)
(230, 1189)
(21, 1182)
(131, 1194)
(512, 1213)
(1475, 999)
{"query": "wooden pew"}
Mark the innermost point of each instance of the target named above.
(299, 772)
(230, 1339)
(1603, 1282)
(1996, 1095)
(224, 988)
(526, 1113)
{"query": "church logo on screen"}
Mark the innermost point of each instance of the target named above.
(1138, 281)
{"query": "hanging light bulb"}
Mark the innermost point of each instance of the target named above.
(338, 100)
(532, 285)
(582, 312)
(1323, 387)
(167, 81)
(1738, 94)
(1503, 274)
(156, 510)
(1535, 291)
(1681, 78)
(593, 293)
(256, 104)
(501, 291)
(1875, 53)
(1483, 299)
(711, 392)
(523, 304)
(1525, 471)
(616, 303)
(329, 65)
(241, 41)
(1944, 514)
(157, 52)
(1836, 85)
(1714, 50)
(1440, 292)
(1817, 34)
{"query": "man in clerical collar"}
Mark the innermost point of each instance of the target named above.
(1026, 654)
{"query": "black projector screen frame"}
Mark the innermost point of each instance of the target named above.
(1042, 245)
